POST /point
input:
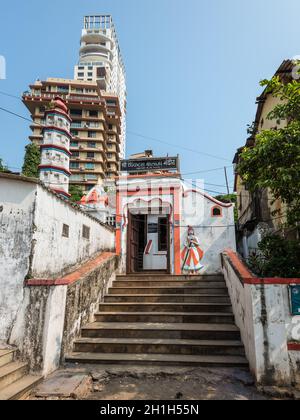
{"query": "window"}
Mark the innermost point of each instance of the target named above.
(216, 211)
(90, 74)
(92, 135)
(163, 234)
(74, 143)
(80, 75)
(93, 114)
(86, 232)
(76, 112)
(90, 155)
(74, 133)
(110, 126)
(65, 231)
(90, 166)
(109, 145)
(91, 144)
(109, 155)
(74, 165)
(75, 154)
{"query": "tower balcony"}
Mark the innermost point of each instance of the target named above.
(95, 36)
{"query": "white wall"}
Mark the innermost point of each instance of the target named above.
(262, 312)
(215, 234)
(16, 229)
(31, 242)
(55, 254)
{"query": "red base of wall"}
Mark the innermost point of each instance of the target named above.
(75, 276)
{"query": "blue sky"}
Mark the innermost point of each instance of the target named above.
(193, 68)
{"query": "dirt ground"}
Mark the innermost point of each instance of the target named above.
(149, 383)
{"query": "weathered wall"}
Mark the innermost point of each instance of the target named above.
(83, 298)
(214, 233)
(32, 243)
(50, 317)
(54, 254)
(17, 201)
(262, 312)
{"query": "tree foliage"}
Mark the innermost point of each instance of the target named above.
(3, 167)
(274, 161)
(32, 160)
(277, 257)
(76, 193)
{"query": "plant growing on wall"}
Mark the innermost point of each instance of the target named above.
(32, 160)
(277, 257)
(76, 193)
(274, 161)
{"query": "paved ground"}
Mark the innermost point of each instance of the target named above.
(144, 383)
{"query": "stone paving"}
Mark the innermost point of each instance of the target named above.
(150, 383)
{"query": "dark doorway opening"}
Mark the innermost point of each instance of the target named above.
(136, 242)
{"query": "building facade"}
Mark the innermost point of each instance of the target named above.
(100, 61)
(256, 210)
(157, 212)
(95, 127)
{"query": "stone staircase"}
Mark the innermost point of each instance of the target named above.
(15, 382)
(163, 320)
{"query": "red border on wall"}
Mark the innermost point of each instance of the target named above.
(248, 278)
(294, 346)
(75, 275)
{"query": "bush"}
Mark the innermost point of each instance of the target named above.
(277, 257)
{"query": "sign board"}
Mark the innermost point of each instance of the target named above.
(152, 228)
(150, 164)
(295, 300)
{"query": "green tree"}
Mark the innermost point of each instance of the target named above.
(76, 193)
(3, 167)
(32, 160)
(274, 161)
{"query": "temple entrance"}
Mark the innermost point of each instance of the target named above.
(148, 243)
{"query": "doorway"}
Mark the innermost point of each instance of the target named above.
(136, 242)
(148, 243)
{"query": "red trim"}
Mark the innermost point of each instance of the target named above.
(76, 275)
(248, 278)
(219, 203)
(54, 111)
(293, 346)
(148, 247)
(62, 192)
(55, 167)
(45, 146)
(219, 208)
(63, 131)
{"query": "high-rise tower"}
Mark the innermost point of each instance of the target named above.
(101, 62)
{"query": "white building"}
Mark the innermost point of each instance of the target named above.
(101, 61)
(55, 149)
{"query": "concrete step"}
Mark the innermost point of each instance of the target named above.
(6, 356)
(217, 290)
(165, 307)
(161, 331)
(157, 346)
(167, 283)
(166, 317)
(20, 388)
(158, 359)
(12, 372)
(167, 298)
(166, 277)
